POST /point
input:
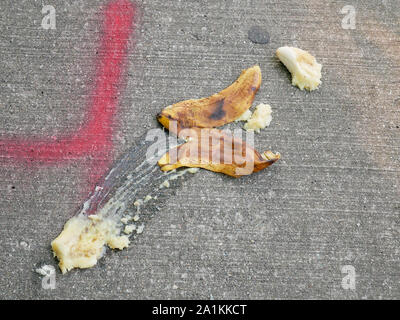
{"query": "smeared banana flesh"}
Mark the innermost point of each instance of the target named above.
(260, 119)
(83, 240)
(245, 116)
(305, 70)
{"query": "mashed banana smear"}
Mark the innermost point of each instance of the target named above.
(83, 240)
(260, 119)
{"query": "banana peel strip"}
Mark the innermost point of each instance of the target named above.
(218, 151)
(217, 110)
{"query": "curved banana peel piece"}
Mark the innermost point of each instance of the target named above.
(216, 110)
(218, 151)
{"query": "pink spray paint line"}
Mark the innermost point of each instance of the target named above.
(93, 139)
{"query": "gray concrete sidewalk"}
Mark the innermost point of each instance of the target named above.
(286, 232)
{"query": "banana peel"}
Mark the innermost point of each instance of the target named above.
(218, 151)
(209, 148)
(216, 110)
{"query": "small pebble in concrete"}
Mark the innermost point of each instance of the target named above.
(139, 229)
(24, 244)
(258, 35)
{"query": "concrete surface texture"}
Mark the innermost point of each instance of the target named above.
(287, 232)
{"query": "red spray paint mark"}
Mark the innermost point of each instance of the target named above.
(93, 138)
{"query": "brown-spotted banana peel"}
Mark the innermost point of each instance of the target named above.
(218, 109)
